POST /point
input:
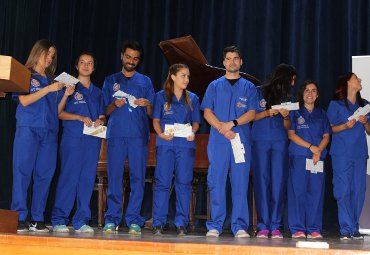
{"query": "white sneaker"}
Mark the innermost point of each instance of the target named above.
(61, 229)
(85, 229)
(241, 233)
(213, 233)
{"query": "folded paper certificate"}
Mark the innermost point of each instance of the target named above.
(178, 130)
(130, 98)
(238, 149)
(99, 131)
(318, 168)
(287, 106)
(360, 111)
(66, 79)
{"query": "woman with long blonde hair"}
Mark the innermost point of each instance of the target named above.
(36, 137)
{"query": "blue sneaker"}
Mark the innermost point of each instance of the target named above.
(109, 227)
(135, 229)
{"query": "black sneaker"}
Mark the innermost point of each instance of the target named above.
(357, 236)
(157, 231)
(22, 227)
(181, 231)
(345, 237)
(38, 226)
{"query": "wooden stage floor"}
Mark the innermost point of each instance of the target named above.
(194, 243)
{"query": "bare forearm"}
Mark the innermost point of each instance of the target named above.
(211, 118)
(26, 100)
(195, 127)
(69, 116)
(110, 109)
(324, 142)
(246, 117)
(157, 126)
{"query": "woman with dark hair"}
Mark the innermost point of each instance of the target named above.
(79, 153)
(349, 153)
(309, 134)
(175, 155)
(36, 137)
(270, 151)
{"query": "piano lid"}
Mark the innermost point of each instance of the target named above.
(185, 50)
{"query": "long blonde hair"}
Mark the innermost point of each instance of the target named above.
(169, 85)
(40, 47)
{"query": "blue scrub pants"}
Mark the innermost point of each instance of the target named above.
(269, 173)
(222, 163)
(305, 197)
(34, 155)
(349, 181)
(179, 161)
(136, 150)
(79, 158)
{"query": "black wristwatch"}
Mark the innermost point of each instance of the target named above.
(235, 123)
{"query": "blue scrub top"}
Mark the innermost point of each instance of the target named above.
(44, 112)
(86, 102)
(310, 127)
(178, 112)
(269, 128)
(350, 142)
(229, 102)
(127, 121)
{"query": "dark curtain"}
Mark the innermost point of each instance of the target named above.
(317, 37)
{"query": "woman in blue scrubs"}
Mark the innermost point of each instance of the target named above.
(270, 151)
(36, 137)
(309, 134)
(175, 155)
(79, 153)
(349, 153)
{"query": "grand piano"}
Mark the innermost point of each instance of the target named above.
(178, 50)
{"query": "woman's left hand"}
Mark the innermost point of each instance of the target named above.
(69, 90)
(190, 138)
(362, 119)
(284, 112)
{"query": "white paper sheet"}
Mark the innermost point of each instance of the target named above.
(238, 149)
(66, 79)
(120, 94)
(178, 130)
(287, 106)
(318, 168)
(99, 131)
(360, 111)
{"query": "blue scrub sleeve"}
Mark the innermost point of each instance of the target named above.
(157, 106)
(150, 94)
(107, 96)
(209, 97)
(195, 115)
(253, 99)
(332, 113)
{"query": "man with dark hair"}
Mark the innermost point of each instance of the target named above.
(229, 106)
(128, 97)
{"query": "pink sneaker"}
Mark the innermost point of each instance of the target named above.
(263, 233)
(314, 235)
(299, 234)
(276, 234)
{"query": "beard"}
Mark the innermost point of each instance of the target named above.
(129, 68)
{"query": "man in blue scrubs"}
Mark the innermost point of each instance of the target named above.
(229, 106)
(128, 97)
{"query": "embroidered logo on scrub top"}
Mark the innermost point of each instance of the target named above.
(300, 122)
(79, 98)
(116, 87)
(263, 103)
(167, 109)
(240, 105)
(35, 83)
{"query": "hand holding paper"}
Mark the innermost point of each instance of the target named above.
(66, 79)
(99, 131)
